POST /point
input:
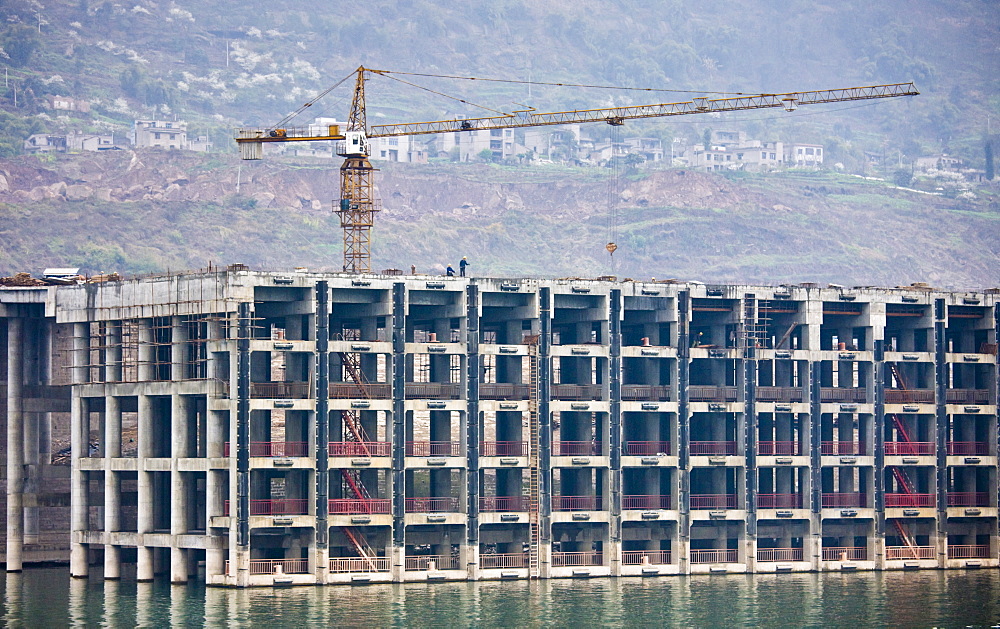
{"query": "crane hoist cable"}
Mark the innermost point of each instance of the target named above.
(614, 189)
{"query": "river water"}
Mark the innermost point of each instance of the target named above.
(47, 597)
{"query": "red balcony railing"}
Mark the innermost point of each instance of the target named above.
(275, 448)
(647, 448)
(645, 557)
(503, 448)
(493, 504)
(968, 499)
(645, 393)
(576, 392)
(576, 503)
(910, 448)
(712, 448)
(967, 396)
(780, 394)
(576, 448)
(503, 560)
(433, 448)
(911, 396)
(432, 391)
(909, 500)
(779, 554)
(287, 506)
(360, 448)
(978, 551)
(503, 391)
(638, 502)
(843, 394)
(432, 562)
(357, 506)
(848, 500)
(713, 501)
(711, 555)
(272, 566)
(445, 504)
(351, 391)
(359, 564)
(845, 553)
(779, 501)
(779, 448)
(566, 560)
(842, 448)
(910, 552)
(968, 448)
(280, 390)
(702, 393)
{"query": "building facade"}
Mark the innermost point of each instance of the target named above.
(160, 134)
(251, 428)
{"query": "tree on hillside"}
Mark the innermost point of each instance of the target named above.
(632, 161)
(19, 42)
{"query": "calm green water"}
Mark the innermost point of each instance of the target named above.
(47, 597)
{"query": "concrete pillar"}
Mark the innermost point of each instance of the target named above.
(112, 440)
(178, 494)
(146, 370)
(78, 489)
(144, 491)
(32, 479)
(178, 347)
(15, 448)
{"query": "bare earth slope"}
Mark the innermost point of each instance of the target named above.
(148, 211)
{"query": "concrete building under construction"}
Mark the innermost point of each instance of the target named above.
(251, 428)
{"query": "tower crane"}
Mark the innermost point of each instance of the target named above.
(357, 205)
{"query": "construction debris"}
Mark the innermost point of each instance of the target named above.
(21, 279)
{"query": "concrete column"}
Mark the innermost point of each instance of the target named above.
(144, 491)
(178, 494)
(145, 368)
(78, 489)
(178, 338)
(15, 449)
(32, 472)
(112, 489)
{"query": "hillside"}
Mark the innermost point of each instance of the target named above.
(152, 211)
(216, 65)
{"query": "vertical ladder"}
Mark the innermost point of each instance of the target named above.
(756, 319)
(533, 457)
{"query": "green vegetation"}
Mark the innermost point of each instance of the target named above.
(187, 58)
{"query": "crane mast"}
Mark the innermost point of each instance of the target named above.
(358, 204)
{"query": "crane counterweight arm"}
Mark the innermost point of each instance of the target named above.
(615, 115)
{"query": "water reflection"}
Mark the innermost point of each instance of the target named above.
(13, 607)
(48, 597)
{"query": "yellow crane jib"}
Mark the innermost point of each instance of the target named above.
(357, 204)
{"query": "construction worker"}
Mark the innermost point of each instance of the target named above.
(461, 266)
(450, 272)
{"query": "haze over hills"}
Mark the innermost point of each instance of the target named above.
(217, 66)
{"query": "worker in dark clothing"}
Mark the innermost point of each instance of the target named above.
(461, 266)
(450, 272)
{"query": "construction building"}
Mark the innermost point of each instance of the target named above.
(252, 428)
